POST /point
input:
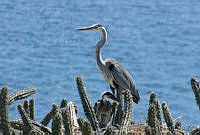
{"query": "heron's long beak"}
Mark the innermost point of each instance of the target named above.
(86, 28)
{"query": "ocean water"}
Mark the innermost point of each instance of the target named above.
(156, 41)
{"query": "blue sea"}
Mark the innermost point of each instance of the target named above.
(157, 41)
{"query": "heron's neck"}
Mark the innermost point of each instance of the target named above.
(100, 44)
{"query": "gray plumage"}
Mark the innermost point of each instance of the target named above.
(114, 73)
(104, 109)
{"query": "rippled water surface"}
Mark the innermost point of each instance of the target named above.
(156, 41)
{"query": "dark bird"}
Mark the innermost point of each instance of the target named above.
(114, 73)
(104, 109)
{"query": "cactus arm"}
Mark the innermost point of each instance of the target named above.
(45, 121)
(31, 109)
(167, 117)
(27, 122)
(21, 94)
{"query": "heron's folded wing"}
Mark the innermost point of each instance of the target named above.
(121, 76)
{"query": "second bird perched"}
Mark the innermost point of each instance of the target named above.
(114, 73)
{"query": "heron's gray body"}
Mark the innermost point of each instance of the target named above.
(117, 76)
(114, 73)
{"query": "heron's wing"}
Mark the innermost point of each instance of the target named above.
(121, 76)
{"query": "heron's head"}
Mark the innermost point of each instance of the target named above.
(94, 27)
(107, 95)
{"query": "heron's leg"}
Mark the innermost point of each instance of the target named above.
(118, 115)
(113, 90)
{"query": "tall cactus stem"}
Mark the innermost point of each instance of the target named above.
(127, 110)
(4, 119)
(87, 106)
(26, 107)
(67, 121)
(31, 109)
(57, 124)
(167, 117)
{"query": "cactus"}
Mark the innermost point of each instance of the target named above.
(196, 131)
(196, 90)
(127, 110)
(67, 121)
(26, 107)
(154, 114)
(111, 130)
(49, 115)
(87, 106)
(16, 124)
(153, 121)
(151, 116)
(167, 117)
(4, 119)
(57, 124)
(41, 127)
(15, 132)
(26, 121)
(154, 100)
(21, 94)
(36, 132)
(63, 103)
(178, 126)
(148, 130)
(85, 126)
(31, 109)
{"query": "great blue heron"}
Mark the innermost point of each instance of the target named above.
(104, 109)
(114, 73)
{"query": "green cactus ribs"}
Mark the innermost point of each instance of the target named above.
(87, 106)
